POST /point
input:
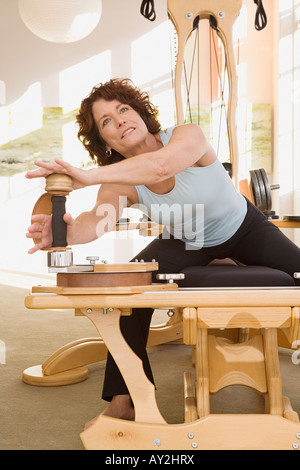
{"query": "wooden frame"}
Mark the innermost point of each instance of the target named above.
(182, 14)
(252, 363)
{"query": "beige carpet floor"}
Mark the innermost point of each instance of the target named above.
(40, 418)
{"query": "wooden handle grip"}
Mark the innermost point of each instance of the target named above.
(57, 186)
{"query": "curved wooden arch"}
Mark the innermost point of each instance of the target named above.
(182, 14)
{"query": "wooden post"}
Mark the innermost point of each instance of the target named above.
(182, 14)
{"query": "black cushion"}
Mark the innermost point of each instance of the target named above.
(234, 276)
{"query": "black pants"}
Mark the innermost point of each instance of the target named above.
(257, 242)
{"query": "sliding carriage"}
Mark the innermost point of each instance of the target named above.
(233, 331)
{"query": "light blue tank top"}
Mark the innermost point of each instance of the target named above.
(203, 209)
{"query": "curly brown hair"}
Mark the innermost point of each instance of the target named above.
(124, 91)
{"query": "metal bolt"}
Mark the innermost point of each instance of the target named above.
(190, 435)
(157, 442)
(189, 15)
(104, 311)
(110, 309)
(89, 310)
(221, 14)
(195, 445)
(298, 435)
(120, 434)
(295, 445)
(92, 259)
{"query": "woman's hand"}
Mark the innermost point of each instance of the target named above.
(41, 229)
(81, 178)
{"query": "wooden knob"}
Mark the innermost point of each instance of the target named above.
(59, 184)
(56, 185)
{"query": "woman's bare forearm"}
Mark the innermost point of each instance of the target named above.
(89, 226)
(83, 230)
(140, 169)
(187, 146)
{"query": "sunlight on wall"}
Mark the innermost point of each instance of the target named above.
(23, 116)
(73, 150)
(240, 27)
(159, 40)
(165, 103)
(76, 82)
(286, 54)
(242, 72)
(289, 100)
(285, 5)
(157, 80)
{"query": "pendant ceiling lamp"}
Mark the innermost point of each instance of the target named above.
(61, 21)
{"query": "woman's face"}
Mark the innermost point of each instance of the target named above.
(120, 126)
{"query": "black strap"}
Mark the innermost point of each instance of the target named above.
(213, 23)
(260, 17)
(148, 10)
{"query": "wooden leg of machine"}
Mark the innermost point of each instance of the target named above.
(202, 370)
(273, 371)
(141, 390)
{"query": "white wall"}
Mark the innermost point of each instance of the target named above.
(286, 109)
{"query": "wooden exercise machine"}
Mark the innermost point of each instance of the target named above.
(68, 365)
(219, 363)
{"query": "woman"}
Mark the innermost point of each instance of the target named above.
(140, 164)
